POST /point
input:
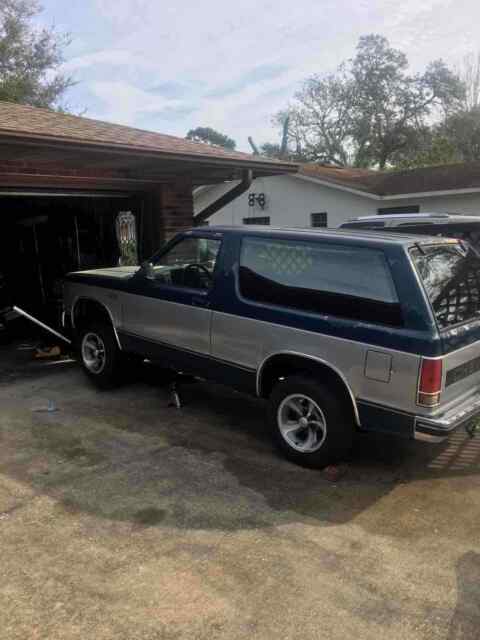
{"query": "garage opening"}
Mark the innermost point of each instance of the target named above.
(45, 235)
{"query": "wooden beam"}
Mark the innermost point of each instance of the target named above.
(73, 182)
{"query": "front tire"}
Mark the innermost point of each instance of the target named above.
(309, 422)
(100, 355)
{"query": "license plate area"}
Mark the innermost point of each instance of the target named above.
(462, 371)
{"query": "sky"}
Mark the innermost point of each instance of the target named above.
(173, 65)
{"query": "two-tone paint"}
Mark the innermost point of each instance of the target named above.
(219, 335)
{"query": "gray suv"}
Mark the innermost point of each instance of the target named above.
(446, 225)
(339, 330)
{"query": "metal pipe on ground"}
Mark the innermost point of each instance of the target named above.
(41, 324)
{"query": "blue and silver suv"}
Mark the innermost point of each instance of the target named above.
(339, 330)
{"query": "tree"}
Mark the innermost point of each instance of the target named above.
(469, 74)
(323, 118)
(371, 108)
(391, 105)
(208, 135)
(290, 148)
(462, 130)
(456, 139)
(436, 149)
(30, 58)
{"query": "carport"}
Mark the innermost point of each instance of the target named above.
(72, 189)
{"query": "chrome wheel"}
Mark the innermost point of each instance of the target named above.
(93, 353)
(301, 423)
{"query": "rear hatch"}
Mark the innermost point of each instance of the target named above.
(450, 274)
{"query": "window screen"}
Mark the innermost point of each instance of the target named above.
(318, 219)
(352, 282)
(257, 220)
(451, 277)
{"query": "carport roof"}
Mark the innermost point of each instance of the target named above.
(20, 123)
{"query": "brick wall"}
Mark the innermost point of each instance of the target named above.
(167, 210)
(177, 208)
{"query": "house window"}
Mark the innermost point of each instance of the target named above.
(414, 208)
(318, 219)
(257, 220)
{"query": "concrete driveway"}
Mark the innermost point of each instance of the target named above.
(123, 518)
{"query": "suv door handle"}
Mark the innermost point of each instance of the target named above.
(199, 301)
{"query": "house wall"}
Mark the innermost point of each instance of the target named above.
(290, 201)
(468, 204)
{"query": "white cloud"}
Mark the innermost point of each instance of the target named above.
(124, 103)
(209, 45)
(114, 57)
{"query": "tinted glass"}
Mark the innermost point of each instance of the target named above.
(451, 277)
(346, 281)
(189, 263)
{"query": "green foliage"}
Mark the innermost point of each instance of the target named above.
(439, 150)
(30, 57)
(462, 130)
(271, 150)
(208, 135)
(391, 106)
(371, 109)
(456, 139)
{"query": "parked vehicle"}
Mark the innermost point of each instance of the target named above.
(446, 225)
(339, 330)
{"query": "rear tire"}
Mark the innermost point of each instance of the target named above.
(100, 355)
(310, 422)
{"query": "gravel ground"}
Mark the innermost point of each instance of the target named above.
(123, 518)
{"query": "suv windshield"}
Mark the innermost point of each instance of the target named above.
(451, 276)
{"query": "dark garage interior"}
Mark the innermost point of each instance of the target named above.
(45, 236)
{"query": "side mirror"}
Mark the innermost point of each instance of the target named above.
(146, 270)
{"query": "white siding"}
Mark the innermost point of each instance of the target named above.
(290, 201)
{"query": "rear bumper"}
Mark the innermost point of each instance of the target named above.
(437, 428)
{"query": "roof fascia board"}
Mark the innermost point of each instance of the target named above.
(335, 185)
(147, 152)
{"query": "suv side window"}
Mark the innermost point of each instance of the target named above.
(346, 281)
(190, 263)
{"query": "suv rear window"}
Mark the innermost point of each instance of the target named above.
(346, 281)
(451, 276)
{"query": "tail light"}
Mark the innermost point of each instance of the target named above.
(430, 383)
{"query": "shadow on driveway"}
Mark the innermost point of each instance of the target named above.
(465, 623)
(126, 456)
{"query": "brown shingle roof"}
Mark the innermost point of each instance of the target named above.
(388, 183)
(30, 121)
(355, 178)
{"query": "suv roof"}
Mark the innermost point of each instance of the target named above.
(434, 218)
(313, 234)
